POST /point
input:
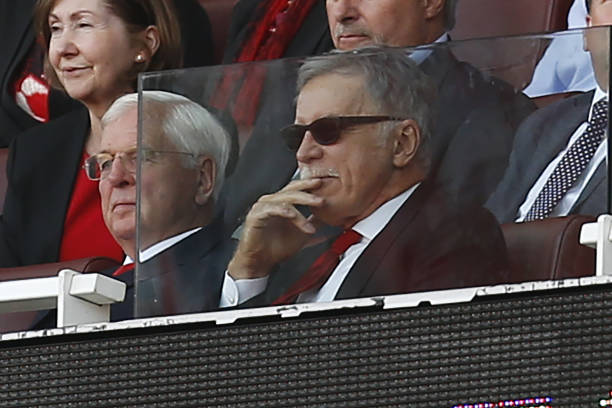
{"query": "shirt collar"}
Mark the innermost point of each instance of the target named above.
(599, 94)
(370, 226)
(420, 53)
(161, 246)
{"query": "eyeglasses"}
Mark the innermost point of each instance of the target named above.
(100, 165)
(326, 131)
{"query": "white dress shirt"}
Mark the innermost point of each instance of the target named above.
(161, 246)
(235, 292)
(565, 66)
(571, 197)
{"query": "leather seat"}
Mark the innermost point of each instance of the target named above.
(91, 264)
(548, 249)
(493, 18)
(512, 60)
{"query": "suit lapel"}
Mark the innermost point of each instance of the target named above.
(540, 145)
(551, 143)
(438, 64)
(593, 185)
(600, 174)
(369, 261)
(64, 142)
(313, 36)
(458, 94)
(186, 277)
(185, 252)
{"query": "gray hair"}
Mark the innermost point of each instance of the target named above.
(395, 84)
(186, 124)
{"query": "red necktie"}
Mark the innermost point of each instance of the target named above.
(321, 269)
(123, 269)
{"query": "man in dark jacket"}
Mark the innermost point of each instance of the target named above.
(362, 142)
(475, 115)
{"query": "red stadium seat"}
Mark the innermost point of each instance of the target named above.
(548, 249)
(511, 60)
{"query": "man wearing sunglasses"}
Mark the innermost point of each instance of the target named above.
(184, 154)
(476, 115)
(362, 142)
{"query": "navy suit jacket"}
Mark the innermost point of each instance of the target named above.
(476, 117)
(185, 278)
(538, 141)
(432, 242)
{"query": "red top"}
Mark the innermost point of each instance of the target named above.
(85, 233)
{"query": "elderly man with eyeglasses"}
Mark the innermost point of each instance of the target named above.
(184, 155)
(361, 139)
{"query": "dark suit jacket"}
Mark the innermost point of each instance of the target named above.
(475, 121)
(185, 278)
(538, 141)
(432, 242)
(196, 33)
(476, 117)
(42, 167)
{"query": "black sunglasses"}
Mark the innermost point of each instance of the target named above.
(326, 130)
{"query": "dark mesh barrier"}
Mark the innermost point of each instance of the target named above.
(526, 348)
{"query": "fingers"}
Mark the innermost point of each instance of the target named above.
(296, 193)
(275, 229)
(302, 185)
(263, 212)
(282, 204)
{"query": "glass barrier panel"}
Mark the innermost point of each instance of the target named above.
(374, 172)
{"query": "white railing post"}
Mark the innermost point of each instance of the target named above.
(597, 235)
(79, 298)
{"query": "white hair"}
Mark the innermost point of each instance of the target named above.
(186, 124)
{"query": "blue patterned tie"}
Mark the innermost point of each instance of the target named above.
(572, 164)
